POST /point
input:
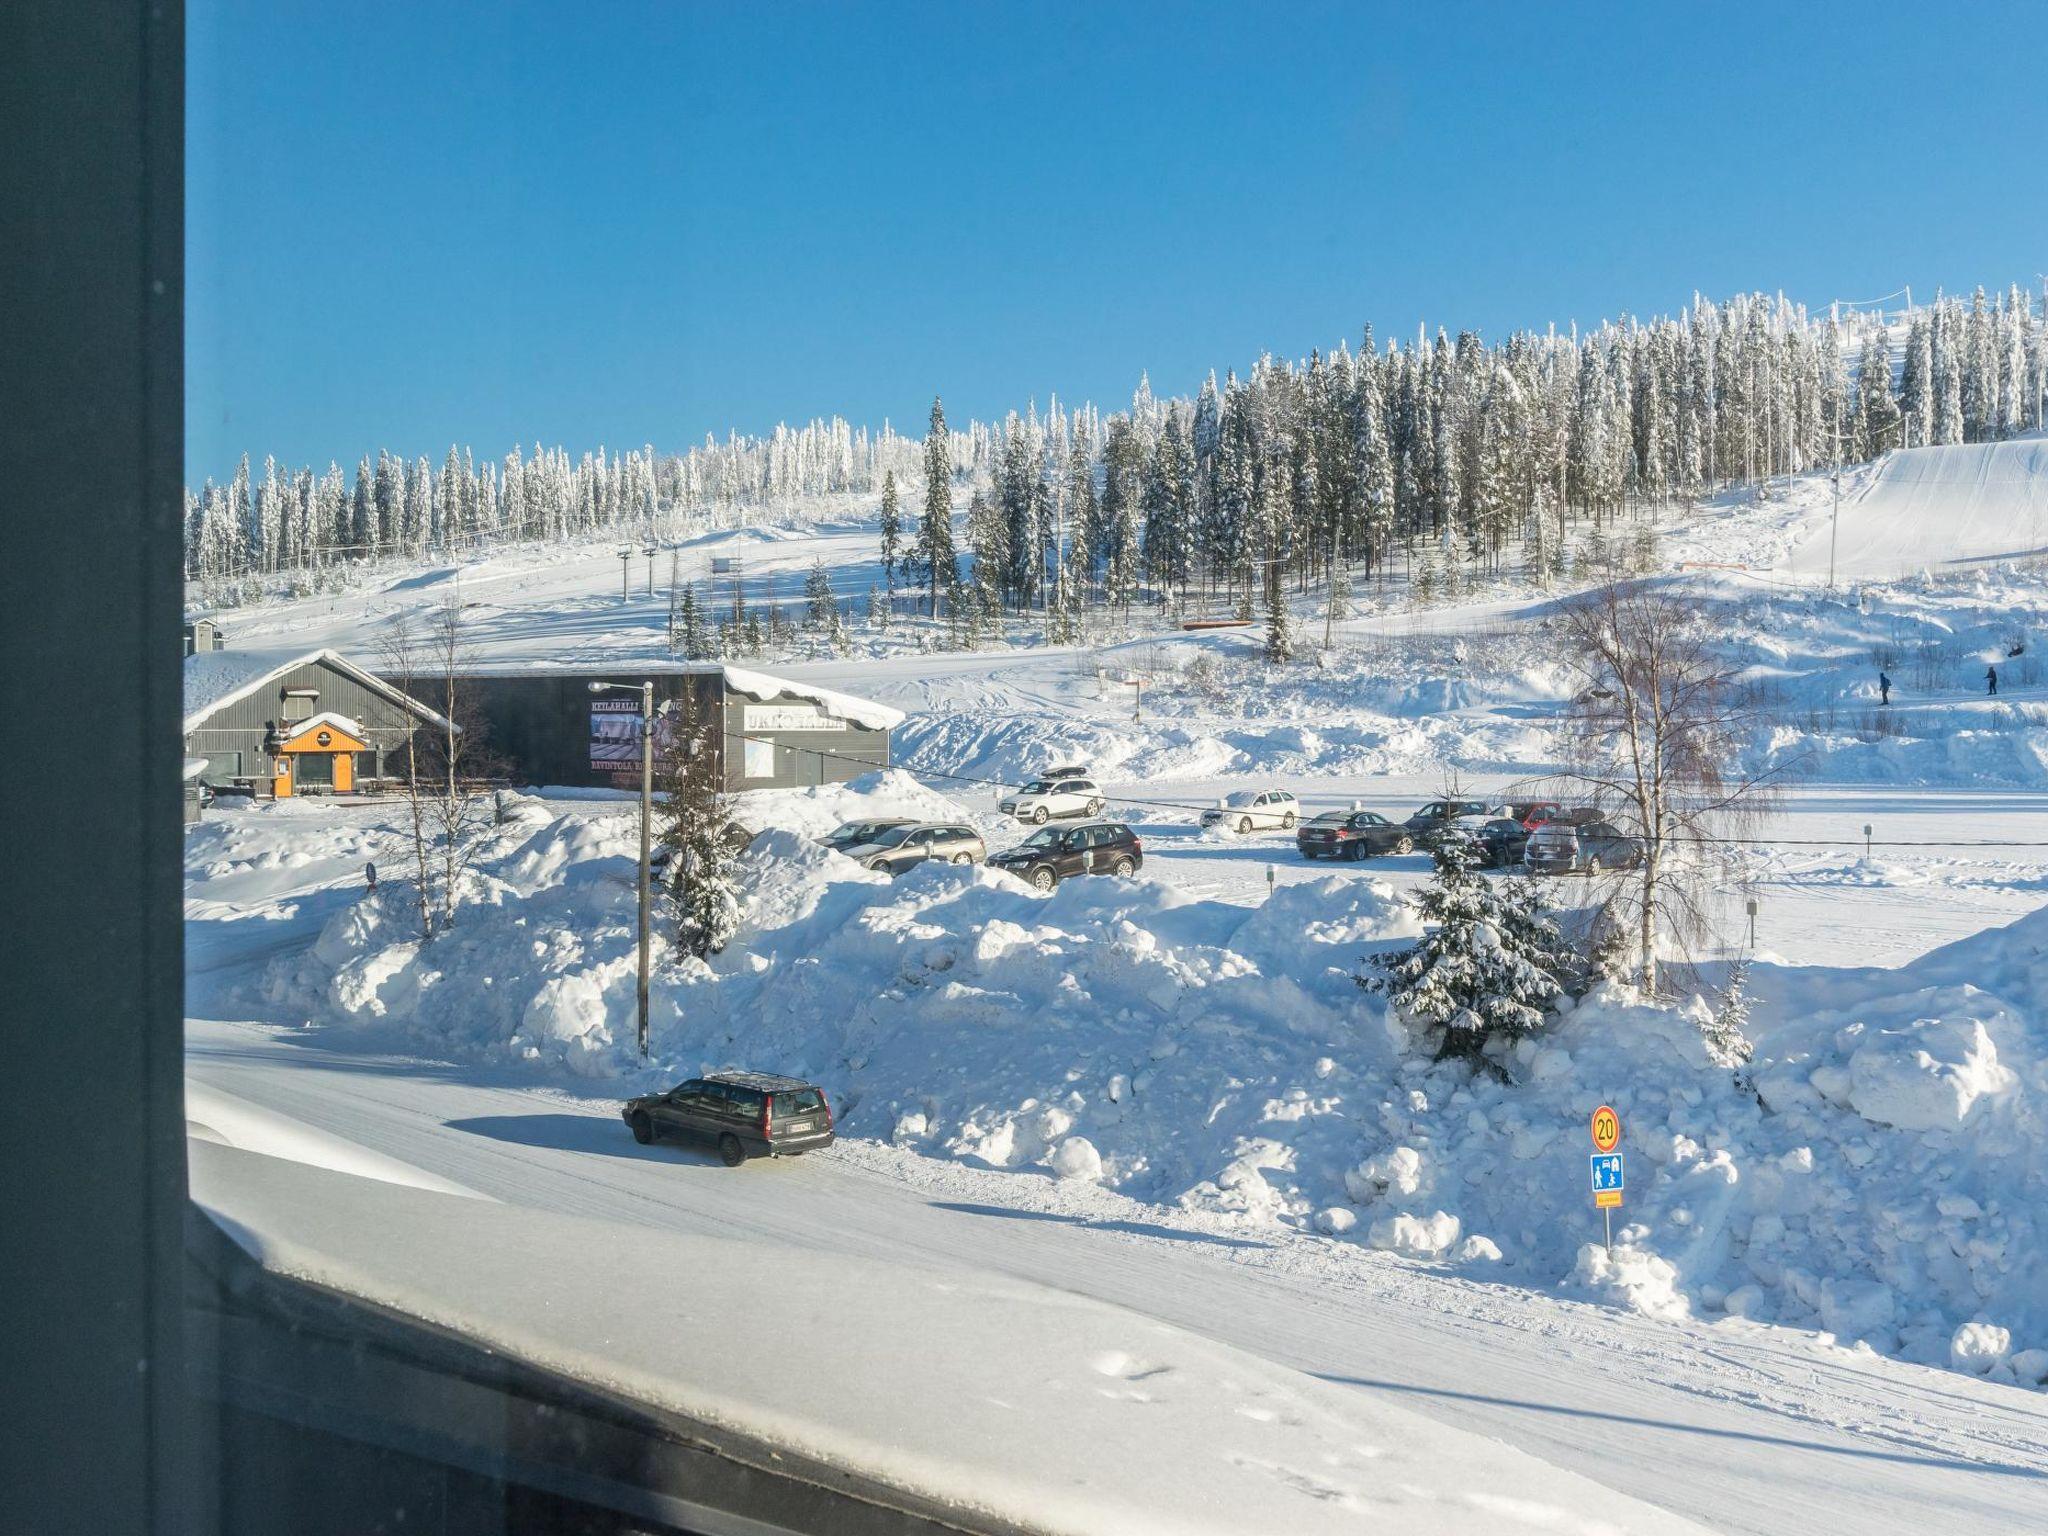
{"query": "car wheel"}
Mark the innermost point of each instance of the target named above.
(1307, 853)
(1355, 852)
(1404, 845)
(1043, 879)
(1038, 817)
(1244, 824)
(730, 1152)
(643, 1128)
(1095, 807)
(963, 858)
(1123, 867)
(1287, 822)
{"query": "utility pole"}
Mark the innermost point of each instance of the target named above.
(649, 551)
(646, 692)
(646, 846)
(625, 572)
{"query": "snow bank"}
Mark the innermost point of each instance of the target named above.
(1880, 1173)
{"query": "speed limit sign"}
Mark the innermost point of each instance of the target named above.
(1606, 1129)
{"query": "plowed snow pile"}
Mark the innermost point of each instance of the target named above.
(1884, 1180)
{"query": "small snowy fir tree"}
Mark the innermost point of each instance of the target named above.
(694, 825)
(818, 606)
(1490, 966)
(1422, 579)
(891, 530)
(690, 627)
(1279, 622)
(1727, 1032)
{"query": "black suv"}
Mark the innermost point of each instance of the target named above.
(743, 1114)
(1051, 854)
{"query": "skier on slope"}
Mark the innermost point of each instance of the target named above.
(1884, 688)
(1991, 677)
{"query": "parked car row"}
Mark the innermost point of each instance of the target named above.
(1539, 835)
(894, 844)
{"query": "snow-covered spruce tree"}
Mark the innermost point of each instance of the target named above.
(1279, 622)
(1727, 1030)
(935, 528)
(818, 606)
(1490, 966)
(892, 531)
(693, 825)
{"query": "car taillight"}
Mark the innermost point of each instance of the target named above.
(1138, 844)
(826, 1105)
(767, 1103)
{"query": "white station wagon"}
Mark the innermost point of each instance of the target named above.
(1057, 795)
(1248, 810)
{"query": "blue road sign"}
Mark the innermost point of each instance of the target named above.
(1606, 1171)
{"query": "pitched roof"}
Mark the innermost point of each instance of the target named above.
(216, 679)
(757, 685)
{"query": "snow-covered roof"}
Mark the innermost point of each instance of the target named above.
(216, 679)
(755, 685)
(329, 718)
(194, 766)
(760, 685)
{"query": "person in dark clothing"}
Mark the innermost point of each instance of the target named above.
(1884, 689)
(1991, 677)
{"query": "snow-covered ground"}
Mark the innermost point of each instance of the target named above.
(1016, 1399)
(1824, 1302)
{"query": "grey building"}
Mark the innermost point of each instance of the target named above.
(545, 726)
(290, 723)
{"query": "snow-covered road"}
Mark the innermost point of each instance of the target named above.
(1746, 1429)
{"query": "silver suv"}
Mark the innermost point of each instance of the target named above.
(905, 846)
(1055, 795)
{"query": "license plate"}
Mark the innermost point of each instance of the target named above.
(796, 1125)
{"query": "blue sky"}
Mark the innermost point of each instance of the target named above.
(610, 223)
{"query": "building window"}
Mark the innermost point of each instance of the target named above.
(298, 703)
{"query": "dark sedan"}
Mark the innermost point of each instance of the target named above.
(1351, 835)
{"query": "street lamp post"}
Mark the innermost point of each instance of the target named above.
(646, 691)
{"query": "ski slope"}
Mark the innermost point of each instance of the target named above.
(1922, 509)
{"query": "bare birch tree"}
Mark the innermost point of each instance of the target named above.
(447, 763)
(403, 655)
(1653, 740)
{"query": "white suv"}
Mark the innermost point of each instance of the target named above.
(1246, 810)
(1042, 799)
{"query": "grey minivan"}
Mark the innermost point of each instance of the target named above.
(742, 1114)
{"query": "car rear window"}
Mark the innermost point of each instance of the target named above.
(800, 1101)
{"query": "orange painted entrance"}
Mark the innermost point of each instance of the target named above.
(321, 755)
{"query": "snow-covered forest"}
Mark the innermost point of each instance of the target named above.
(1474, 453)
